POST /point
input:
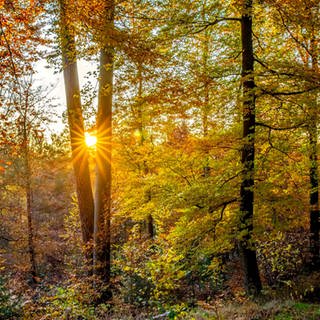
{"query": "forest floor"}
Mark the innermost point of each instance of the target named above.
(272, 310)
(298, 300)
(276, 309)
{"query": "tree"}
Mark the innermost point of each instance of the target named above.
(102, 211)
(27, 173)
(248, 252)
(76, 125)
(300, 27)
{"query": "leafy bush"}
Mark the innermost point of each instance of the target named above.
(10, 306)
(281, 256)
(69, 302)
(130, 266)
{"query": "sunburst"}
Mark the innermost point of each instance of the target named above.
(90, 139)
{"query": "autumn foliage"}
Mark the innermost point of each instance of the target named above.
(200, 188)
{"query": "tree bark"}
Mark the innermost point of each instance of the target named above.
(76, 125)
(313, 160)
(206, 94)
(102, 213)
(149, 221)
(314, 193)
(247, 249)
(28, 189)
(33, 266)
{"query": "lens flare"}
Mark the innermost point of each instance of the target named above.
(91, 140)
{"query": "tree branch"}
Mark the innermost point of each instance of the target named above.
(296, 126)
(223, 207)
(287, 93)
(276, 148)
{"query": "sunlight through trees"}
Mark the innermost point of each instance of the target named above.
(184, 183)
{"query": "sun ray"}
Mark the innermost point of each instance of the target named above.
(90, 139)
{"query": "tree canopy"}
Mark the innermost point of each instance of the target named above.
(186, 174)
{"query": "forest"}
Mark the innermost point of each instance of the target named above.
(181, 178)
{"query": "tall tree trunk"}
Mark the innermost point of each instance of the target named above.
(247, 249)
(104, 151)
(28, 189)
(33, 267)
(313, 159)
(149, 221)
(206, 96)
(76, 125)
(314, 191)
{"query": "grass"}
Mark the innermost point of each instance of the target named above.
(272, 310)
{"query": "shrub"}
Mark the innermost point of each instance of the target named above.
(280, 256)
(10, 306)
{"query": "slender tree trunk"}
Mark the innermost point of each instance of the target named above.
(150, 226)
(247, 249)
(206, 107)
(149, 221)
(104, 150)
(33, 268)
(76, 125)
(28, 189)
(314, 192)
(313, 171)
